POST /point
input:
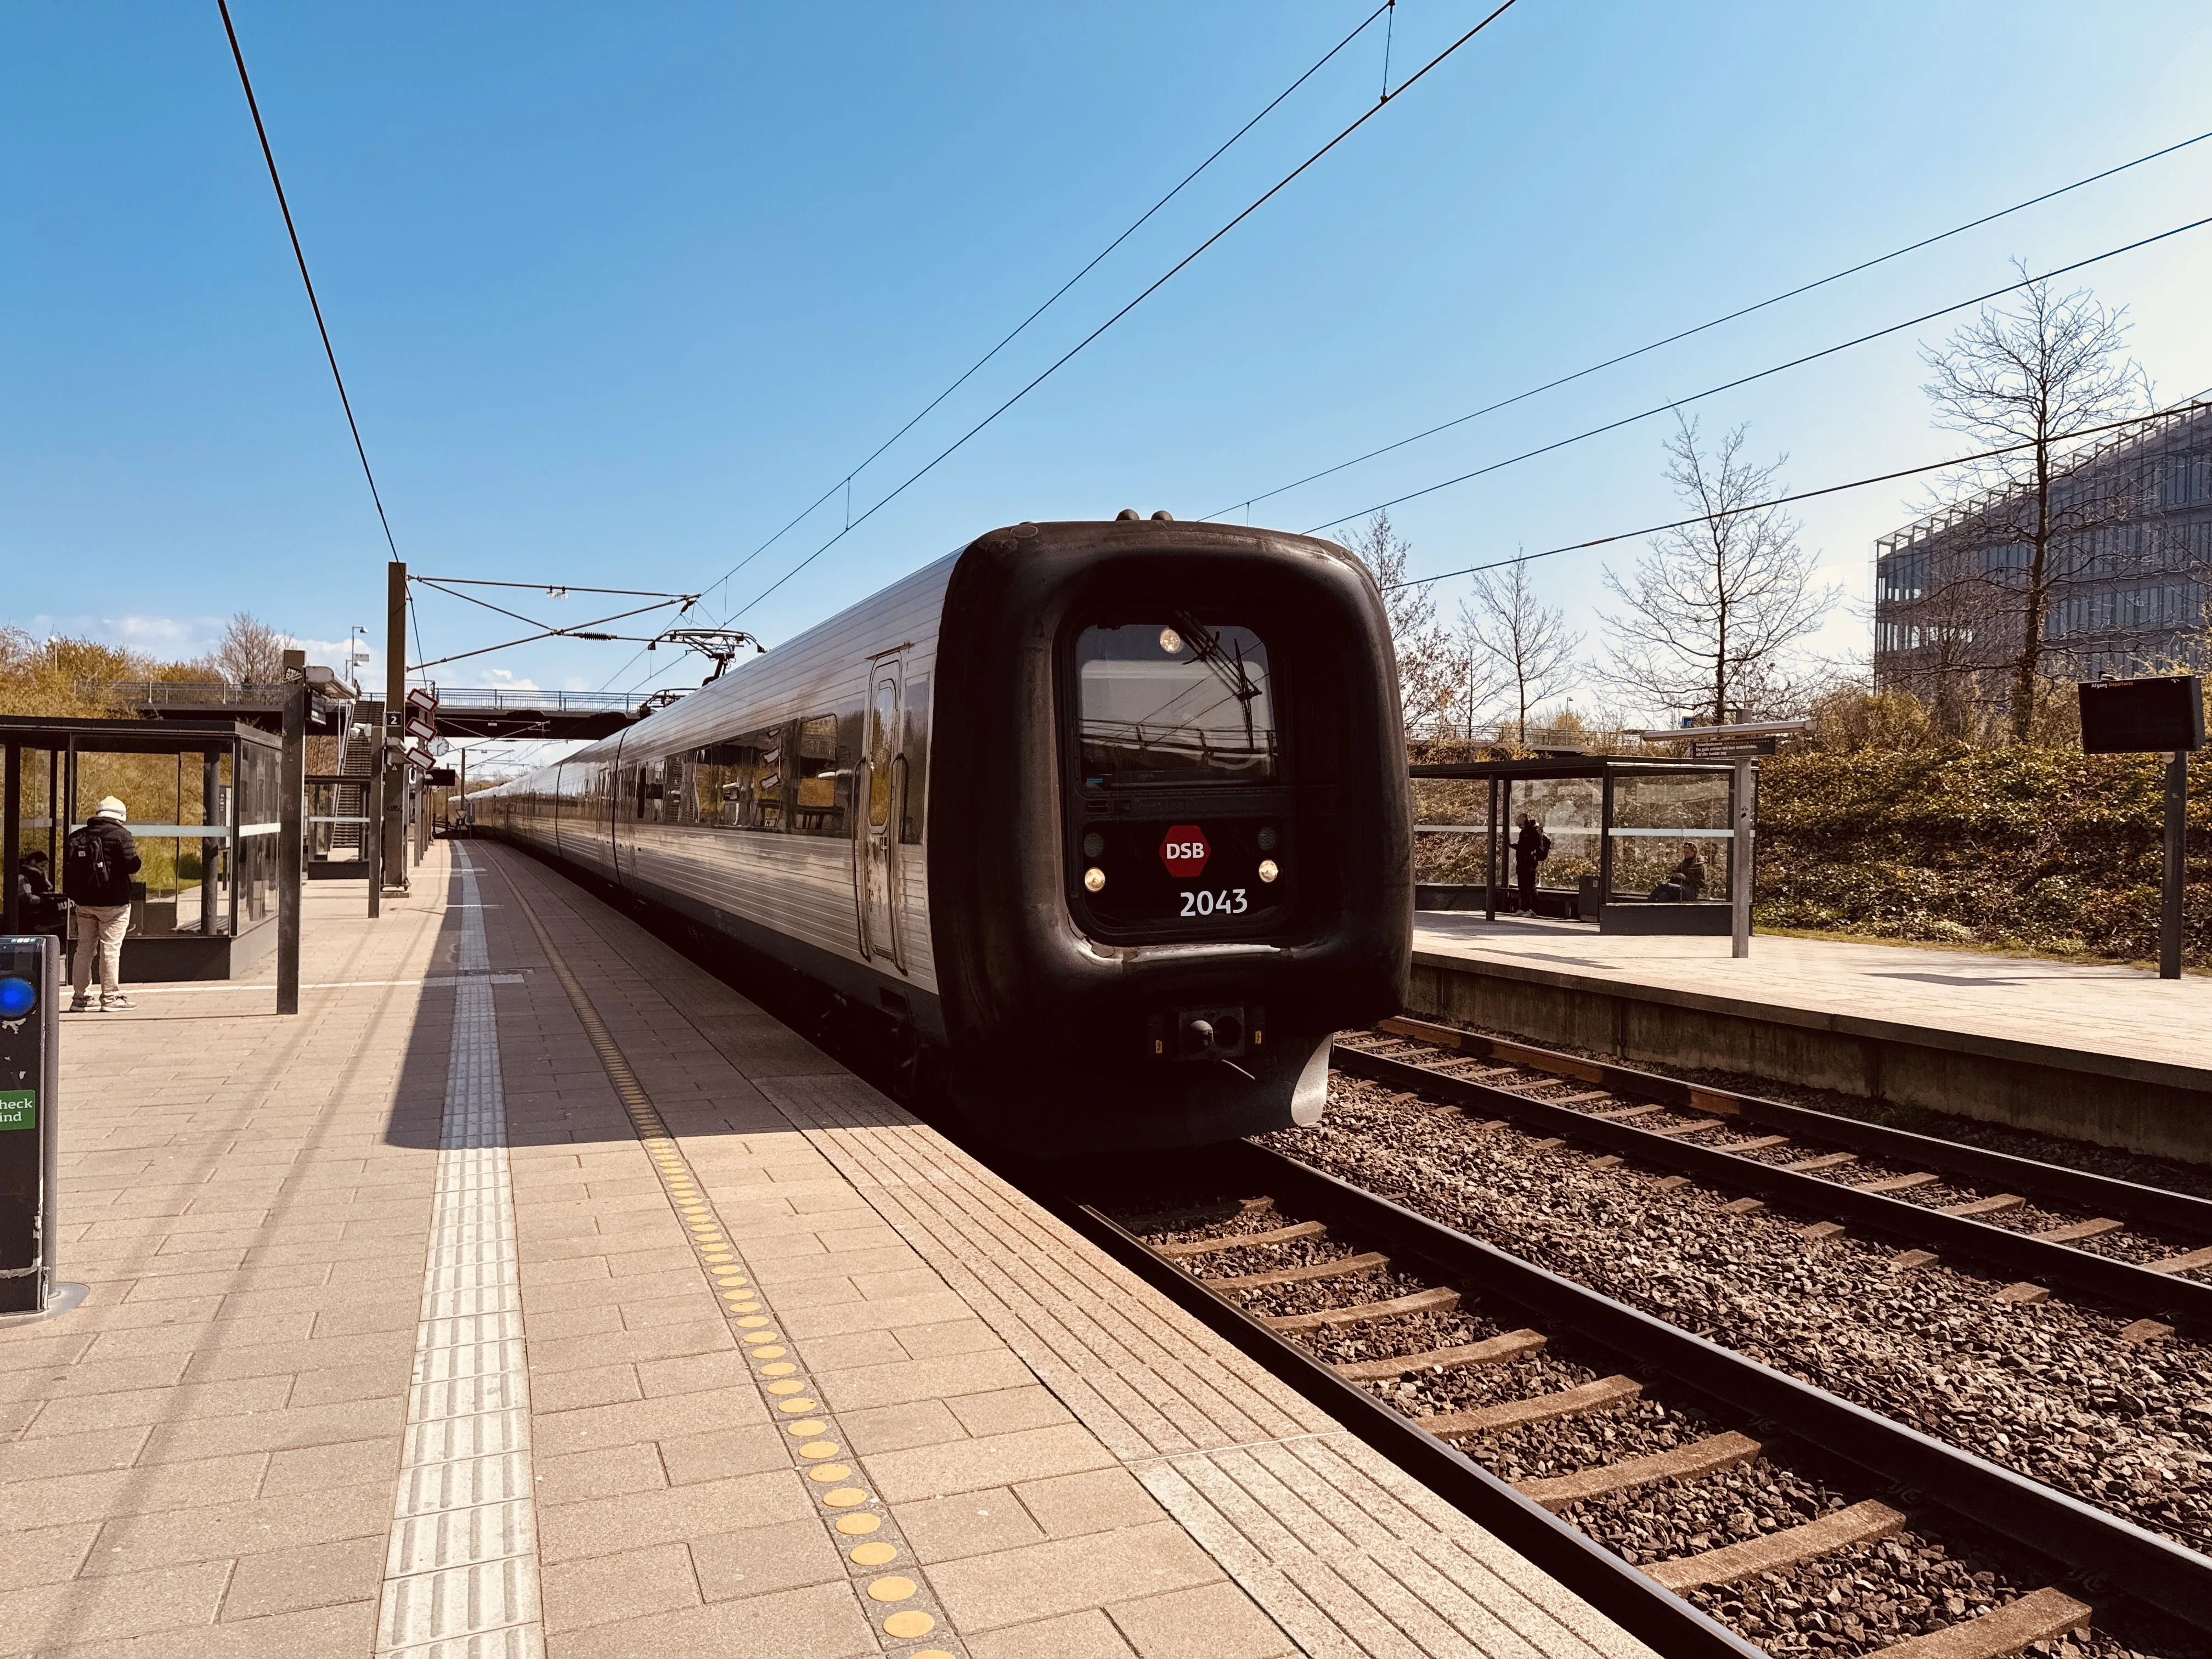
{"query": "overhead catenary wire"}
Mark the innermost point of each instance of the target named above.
(1761, 374)
(1741, 312)
(1159, 283)
(269, 155)
(1797, 496)
(845, 484)
(572, 630)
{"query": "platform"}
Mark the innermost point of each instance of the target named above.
(2099, 1051)
(532, 1291)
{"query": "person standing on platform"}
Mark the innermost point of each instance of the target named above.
(1530, 849)
(98, 861)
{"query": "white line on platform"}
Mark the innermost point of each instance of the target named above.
(434, 982)
(460, 1577)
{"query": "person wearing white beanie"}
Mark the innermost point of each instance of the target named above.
(98, 861)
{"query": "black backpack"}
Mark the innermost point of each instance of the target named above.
(86, 865)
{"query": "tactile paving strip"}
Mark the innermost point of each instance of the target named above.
(892, 1589)
(460, 1575)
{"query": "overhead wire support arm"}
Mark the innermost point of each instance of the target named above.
(1060, 362)
(577, 630)
(557, 589)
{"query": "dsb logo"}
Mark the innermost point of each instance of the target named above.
(1185, 850)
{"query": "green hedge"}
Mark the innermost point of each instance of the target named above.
(2042, 848)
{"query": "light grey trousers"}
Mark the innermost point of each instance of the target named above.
(100, 928)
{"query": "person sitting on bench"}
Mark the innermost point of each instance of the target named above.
(1685, 883)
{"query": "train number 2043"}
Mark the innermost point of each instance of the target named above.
(1228, 902)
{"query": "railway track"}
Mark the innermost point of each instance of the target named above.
(1818, 1162)
(1421, 1338)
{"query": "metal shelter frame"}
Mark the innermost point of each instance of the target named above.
(64, 741)
(1607, 770)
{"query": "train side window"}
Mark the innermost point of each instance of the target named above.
(739, 785)
(649, 792)
(677, 806)
(825, 787)
(917, 759)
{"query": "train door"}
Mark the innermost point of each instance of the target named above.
(884, 787)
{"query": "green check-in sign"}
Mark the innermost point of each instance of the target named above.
(19, 1108)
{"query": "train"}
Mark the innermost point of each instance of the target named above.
(1107, 820)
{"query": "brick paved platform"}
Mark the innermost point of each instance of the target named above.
(534, 1292)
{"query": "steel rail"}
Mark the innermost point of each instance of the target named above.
(2023, 1254)
(1643, 1607)
(2101, 1553)
(2106, 1195)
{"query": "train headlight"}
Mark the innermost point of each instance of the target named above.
(1269, 869)
(1094, 845)
(1093, 879)
(1170, 641)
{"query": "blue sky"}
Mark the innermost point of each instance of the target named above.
(618, 291)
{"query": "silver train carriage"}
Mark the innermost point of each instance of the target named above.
(1111, 816)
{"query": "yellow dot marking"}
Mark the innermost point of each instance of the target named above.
(772, 1354)
(875, 1555)
(781, 1368)
(809, 1429)
(818, 1449)
(798, 1406)
(731, 1276)
(911, 1623)
(854, 1526)
(789, 1385)
(894, 1589)
(939, 1653)
(843, 1498)
(758, 1336)
(826, 1473)
(718, 1256)
(753, 1323)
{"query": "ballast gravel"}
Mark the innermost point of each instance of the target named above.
(2046, 1388)
(1841, 1606)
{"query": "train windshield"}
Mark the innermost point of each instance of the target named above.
(1174, 701)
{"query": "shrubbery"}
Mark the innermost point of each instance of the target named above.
(2045, 849)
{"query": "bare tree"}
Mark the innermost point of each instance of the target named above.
(2033, 376)
(1714, 608)
(251, 652)
(1428, 676)
(1526, 642)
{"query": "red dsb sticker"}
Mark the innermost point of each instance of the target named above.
(1185, 851)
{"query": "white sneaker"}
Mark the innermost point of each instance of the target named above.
(83, 1004)
(118, 1000)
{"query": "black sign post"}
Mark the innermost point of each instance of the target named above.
(2164, 714)
(30, 1026)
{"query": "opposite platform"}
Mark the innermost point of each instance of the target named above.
(2099, 1051)
(533, 1291)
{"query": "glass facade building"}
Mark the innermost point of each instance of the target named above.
(2125, 577)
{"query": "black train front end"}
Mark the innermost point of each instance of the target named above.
(1170, 846)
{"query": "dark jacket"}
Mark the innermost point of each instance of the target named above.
(122, 861)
